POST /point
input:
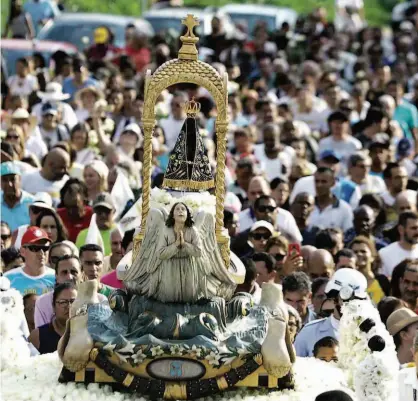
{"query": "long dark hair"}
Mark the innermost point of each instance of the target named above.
(170, 219)
(68, 285)
(82, 189)
(62, 233)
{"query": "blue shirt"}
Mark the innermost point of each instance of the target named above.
(407, 116)
(311, 334)
(69, 87)
(26, 284)
(19, 214)
(43, 9)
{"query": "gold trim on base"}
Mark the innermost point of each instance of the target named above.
(128, 380)
(175, 391)
(222, 383)
(186, 185)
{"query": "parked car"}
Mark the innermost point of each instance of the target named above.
(164, 19)
(251, 14)
(13, 49)
(78, 28)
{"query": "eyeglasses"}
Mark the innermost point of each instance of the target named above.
(65, 302)
(38, 248)
(279, 257)
(5, 237)
(259, 237)
(264, 209)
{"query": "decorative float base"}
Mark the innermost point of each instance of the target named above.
(103, 369)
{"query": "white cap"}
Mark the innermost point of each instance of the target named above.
(262, 224)
(4, 283)
(134, 128)
(42, 199)
(20, 114)
(348, 279)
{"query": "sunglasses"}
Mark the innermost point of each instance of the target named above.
(259, 237)
(268, 209)
(38, 248)
(279, 257)
(5, 237)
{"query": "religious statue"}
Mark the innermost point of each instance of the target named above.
(179, 260)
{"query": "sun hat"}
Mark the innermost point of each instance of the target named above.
(20, 114)
(400, 319)
(42, 200)
(53, 93)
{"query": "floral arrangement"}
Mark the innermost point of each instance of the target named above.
(13, 348)
(367, 352)
(194, 201)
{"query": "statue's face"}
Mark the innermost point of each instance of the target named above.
(180, 213)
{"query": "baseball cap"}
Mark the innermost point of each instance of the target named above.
(348, 278)
(330, 154)
(10, 168)
(43, 200)
(399, 319)
(34, 234)
(262, 224)
(49, 109)
(104, 200)
(404, 147)
(337, 116)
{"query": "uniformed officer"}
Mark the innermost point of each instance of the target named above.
(408, 378)
(345, 285)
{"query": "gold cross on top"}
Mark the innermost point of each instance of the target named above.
(190, 21)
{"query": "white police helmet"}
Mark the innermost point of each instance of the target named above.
(349, 283)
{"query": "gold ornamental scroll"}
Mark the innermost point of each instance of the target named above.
(187, 68)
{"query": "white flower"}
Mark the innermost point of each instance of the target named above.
(213, 358)
(139, 356)
(195, 351)
(109, 347)
(157, 351)
(127, 349)
(176, 349)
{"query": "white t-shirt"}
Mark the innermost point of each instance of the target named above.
(68, 115)
(36, 145)
(338, 215)
(394, 254)
(273, 168)
(34, 182)
(344, 148)
(22, 86)
(172, 130)
(374, 184)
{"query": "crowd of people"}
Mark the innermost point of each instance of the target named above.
(321, 176)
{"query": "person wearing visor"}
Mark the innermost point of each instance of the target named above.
(345, 285)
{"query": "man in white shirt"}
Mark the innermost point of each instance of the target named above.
(408, 377)
(275, 159)
(405, 248)
(282, 220)
(52, 177)
(329, 211)
(23, 83)
(340, 140)
(359, 168)
(174, 122)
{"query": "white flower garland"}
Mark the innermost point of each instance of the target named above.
(373, 374)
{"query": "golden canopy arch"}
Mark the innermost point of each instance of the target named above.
(186, 68)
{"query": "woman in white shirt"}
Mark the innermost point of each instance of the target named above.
(79, 139)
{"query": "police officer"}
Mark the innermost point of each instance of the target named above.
(345, 285)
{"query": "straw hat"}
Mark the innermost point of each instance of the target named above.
(400, 319)
(20, 114)
(92, 89)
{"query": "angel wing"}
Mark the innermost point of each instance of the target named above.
(147, 261)
(219, 282)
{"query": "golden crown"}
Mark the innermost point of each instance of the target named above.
(192, 108)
